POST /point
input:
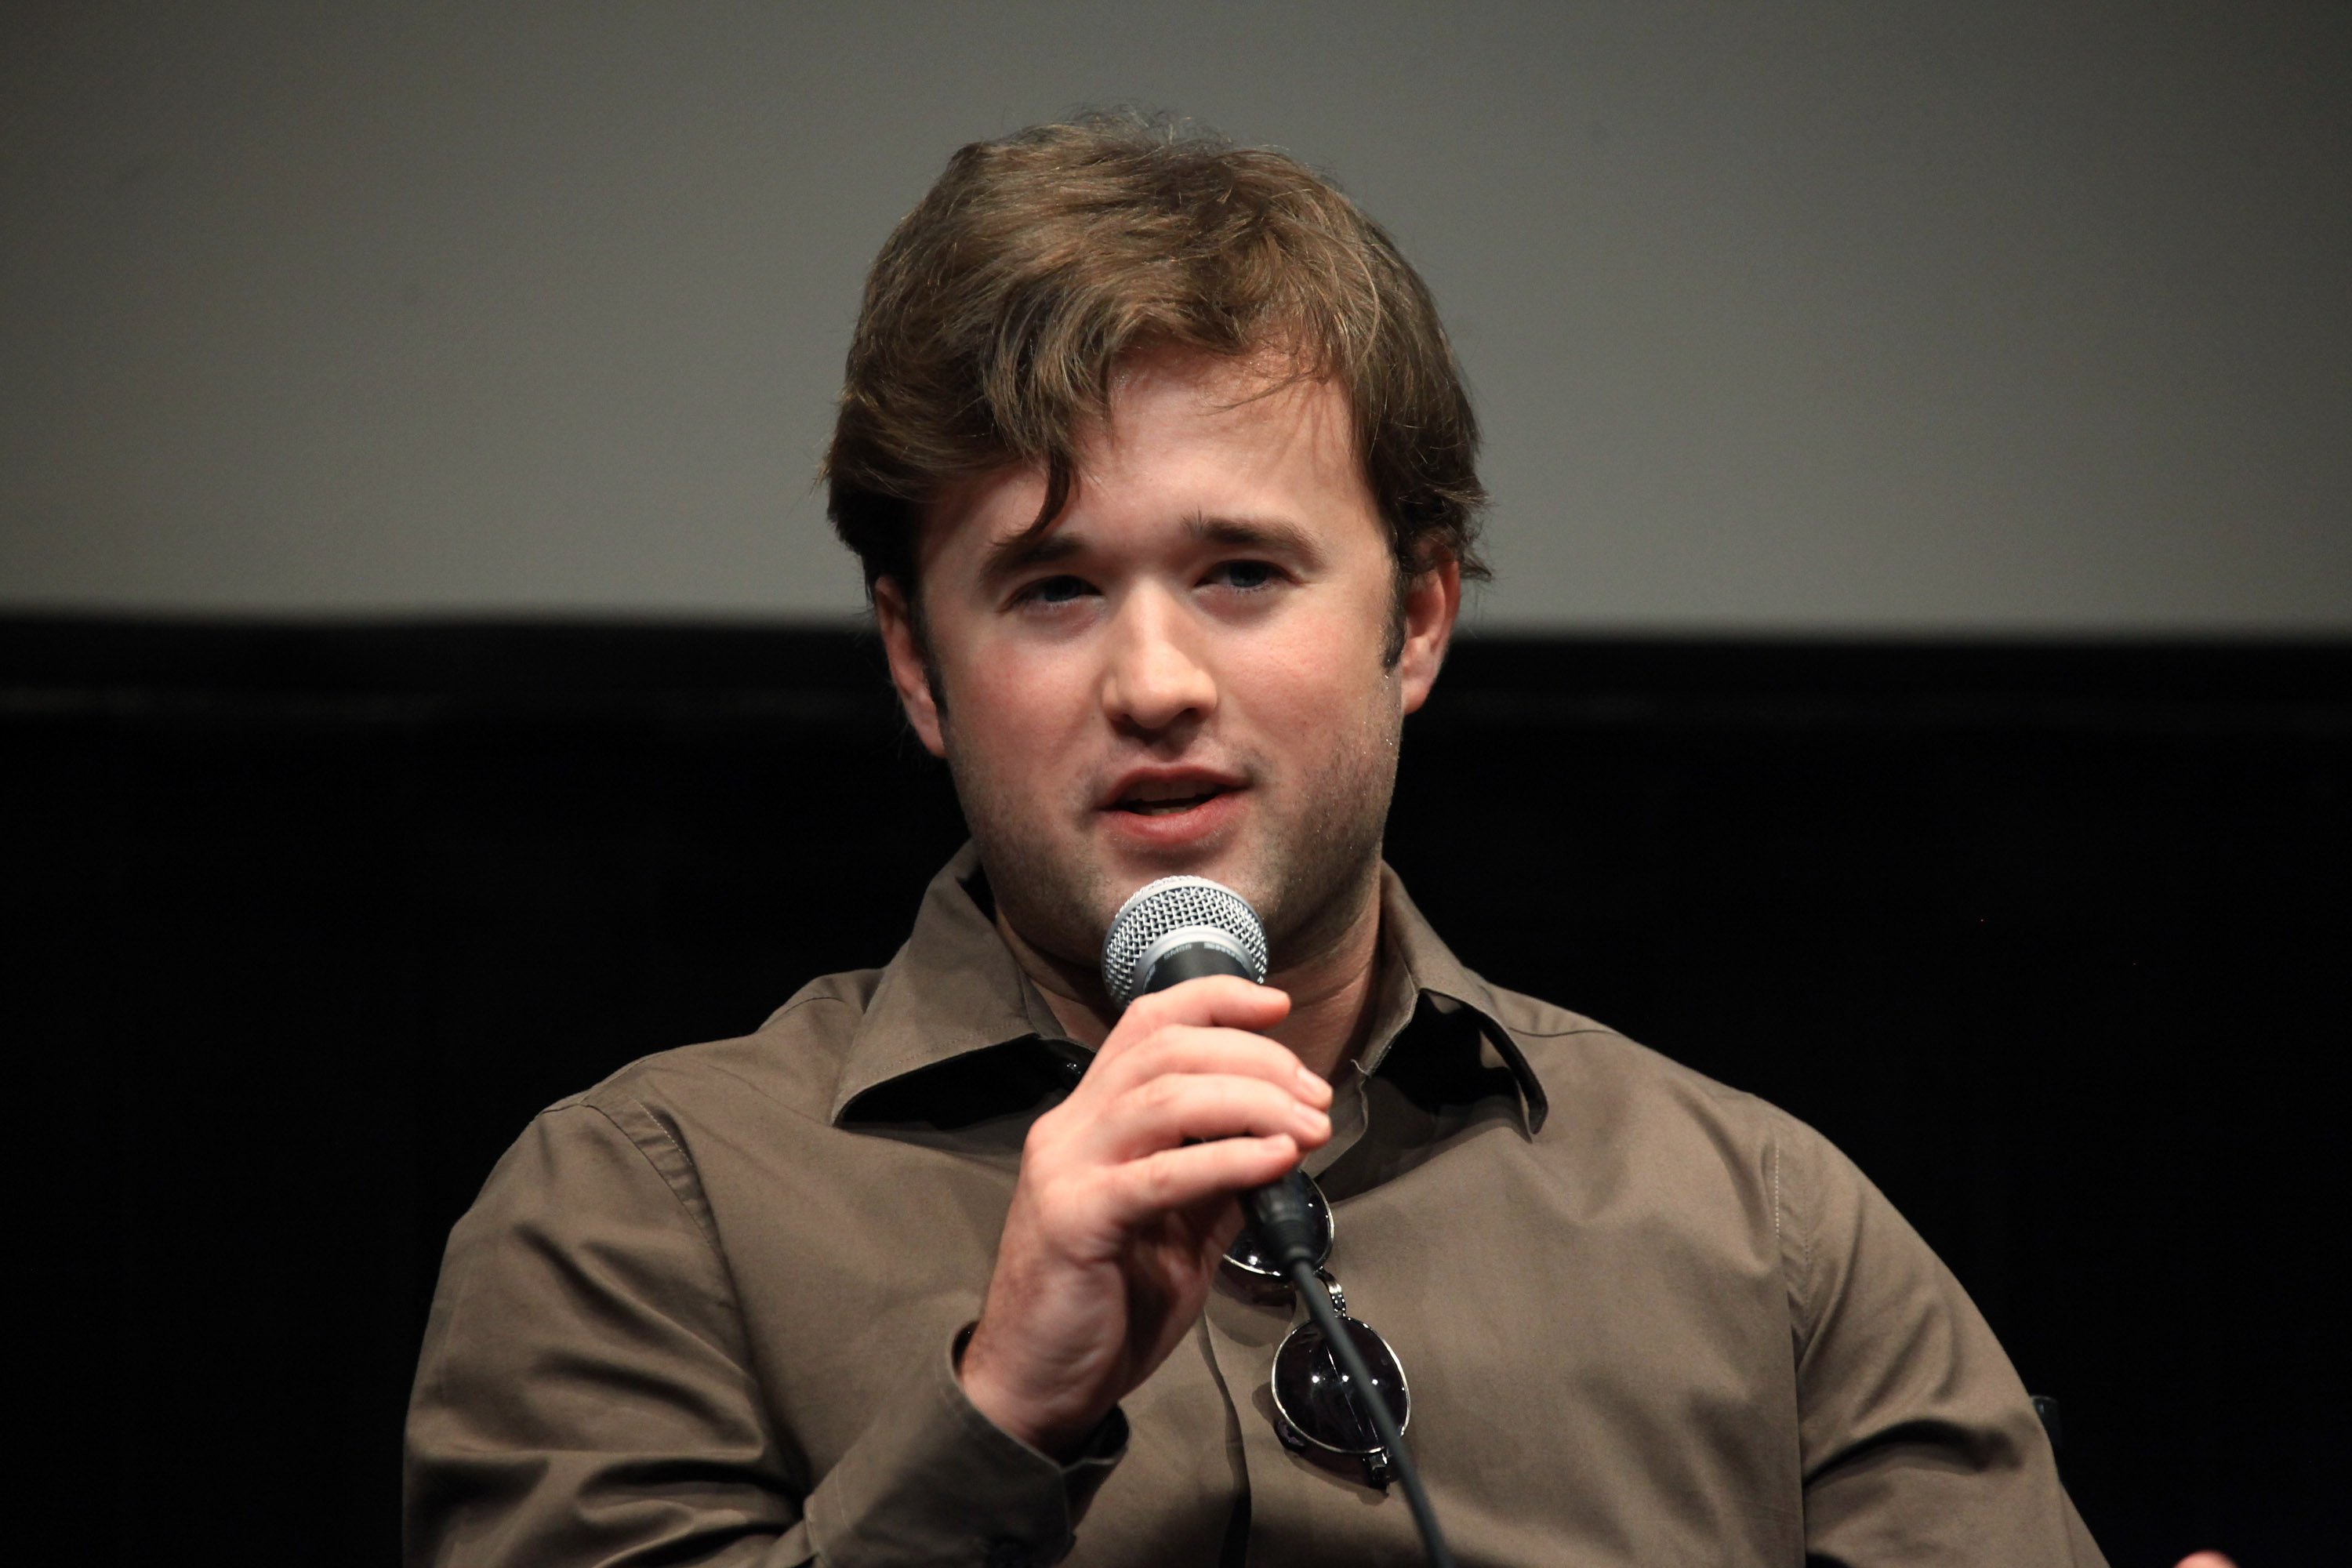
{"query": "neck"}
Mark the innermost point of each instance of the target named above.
(1331, 988)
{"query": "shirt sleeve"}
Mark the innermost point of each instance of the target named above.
(1919, 1445)
(584, 1396)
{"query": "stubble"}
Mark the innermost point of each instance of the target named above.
(1313, 865)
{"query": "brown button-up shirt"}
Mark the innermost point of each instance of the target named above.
(704, 1312)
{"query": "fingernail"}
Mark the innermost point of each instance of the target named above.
(1308, 1079)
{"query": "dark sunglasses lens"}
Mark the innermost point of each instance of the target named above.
(1315, 1393)
(1244, 1251)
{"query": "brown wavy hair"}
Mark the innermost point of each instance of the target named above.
(999, 307)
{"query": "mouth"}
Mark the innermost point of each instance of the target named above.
(1169, 798)
(1157, 802)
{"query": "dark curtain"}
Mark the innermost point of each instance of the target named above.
(309, 920)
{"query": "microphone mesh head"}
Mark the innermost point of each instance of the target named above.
(1169, 904)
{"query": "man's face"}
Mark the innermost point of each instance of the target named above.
(1184, 673)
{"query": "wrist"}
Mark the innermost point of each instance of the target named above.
(1027, 1421)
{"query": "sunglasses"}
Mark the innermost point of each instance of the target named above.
(1316, 1406)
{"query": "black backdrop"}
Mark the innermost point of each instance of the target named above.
(309, 920)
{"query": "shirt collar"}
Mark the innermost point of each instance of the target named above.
(955, 989)
(1421, 966)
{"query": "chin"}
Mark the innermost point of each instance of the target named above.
(1233, 865)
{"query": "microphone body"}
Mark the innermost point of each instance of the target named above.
(1179, 929)
(1191, 961)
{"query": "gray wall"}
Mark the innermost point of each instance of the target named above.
(1817, 316)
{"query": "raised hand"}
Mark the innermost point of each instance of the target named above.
(1127, 1200)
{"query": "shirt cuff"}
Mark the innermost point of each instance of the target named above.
(933, 1480)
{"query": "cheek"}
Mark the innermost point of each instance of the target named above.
(1013, 707)
(1318, 671)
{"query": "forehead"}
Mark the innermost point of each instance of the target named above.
(1188, 438)
(1261, 405)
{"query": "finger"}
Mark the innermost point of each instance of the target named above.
(1214, 1000)
(1166, 1111)
(1189, 1048)
(1142, 1190)
(1223, 1219)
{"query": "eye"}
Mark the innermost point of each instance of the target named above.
(1062, 590)
(1247, 576)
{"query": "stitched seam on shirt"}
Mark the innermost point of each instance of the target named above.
(1799, 1304)
(742, 1353)
(788, 1009)
(1805, 1279)
(1780, 1245)
(701, 1226)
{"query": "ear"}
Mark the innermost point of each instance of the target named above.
(1430, 604)
(911, 673)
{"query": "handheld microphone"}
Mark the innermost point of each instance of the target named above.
(1179, 929)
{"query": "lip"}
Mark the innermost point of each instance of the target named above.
(1173, 829)
(1135, 779)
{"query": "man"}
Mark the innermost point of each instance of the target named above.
(1160, 470)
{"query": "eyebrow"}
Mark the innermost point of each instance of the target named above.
(1034, 547)
(1273, 535)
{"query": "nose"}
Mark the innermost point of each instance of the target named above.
(1154, 679)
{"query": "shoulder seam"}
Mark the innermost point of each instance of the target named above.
(797, 1003)
(1796, 1246)
(701, 1225)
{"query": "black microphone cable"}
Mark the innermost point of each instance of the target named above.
(1287, 1235)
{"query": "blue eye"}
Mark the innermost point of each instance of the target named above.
(1245, 575)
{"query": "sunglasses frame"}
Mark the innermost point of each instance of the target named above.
(1377, 1468)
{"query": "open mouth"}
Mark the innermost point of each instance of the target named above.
(1168, 799)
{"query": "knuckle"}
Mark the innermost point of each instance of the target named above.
(1148, 1055)
(1156, 1179)
(1147, 1011)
